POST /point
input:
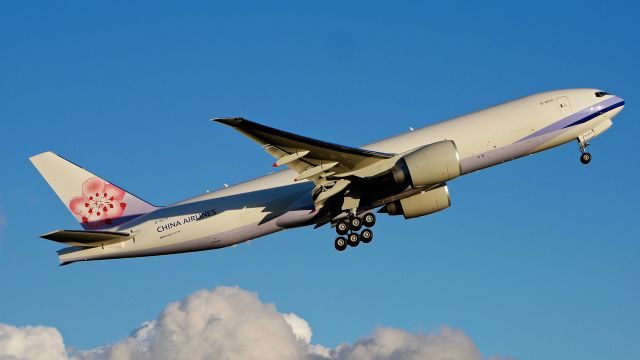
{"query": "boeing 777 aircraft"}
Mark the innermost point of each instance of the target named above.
(325, 183)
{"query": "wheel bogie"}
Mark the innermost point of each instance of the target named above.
(349, 232)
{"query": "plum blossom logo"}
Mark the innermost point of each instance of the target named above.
(99, 202)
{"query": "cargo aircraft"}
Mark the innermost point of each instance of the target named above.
(325, 183)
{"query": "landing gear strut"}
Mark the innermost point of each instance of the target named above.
(350, 228)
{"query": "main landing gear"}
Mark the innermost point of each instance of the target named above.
(585, 157)
(351, 227)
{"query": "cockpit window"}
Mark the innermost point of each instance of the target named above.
(602, 93)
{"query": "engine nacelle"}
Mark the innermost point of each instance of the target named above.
(431, 164)
(421, 204)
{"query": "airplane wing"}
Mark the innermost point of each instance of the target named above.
(327, 165)
(87, 238)
(301, 153)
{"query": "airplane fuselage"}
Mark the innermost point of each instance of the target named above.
(275, 202)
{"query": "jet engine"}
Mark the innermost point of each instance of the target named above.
(431, 164)
(421, 204)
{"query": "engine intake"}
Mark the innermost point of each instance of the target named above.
(421, 204)
(428, 165)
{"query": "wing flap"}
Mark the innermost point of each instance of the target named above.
(87, 238)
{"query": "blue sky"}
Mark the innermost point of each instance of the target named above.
(537, 258)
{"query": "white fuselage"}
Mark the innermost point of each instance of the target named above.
(275, 202)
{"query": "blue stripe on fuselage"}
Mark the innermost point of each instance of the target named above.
(595, 114)
(578, 117)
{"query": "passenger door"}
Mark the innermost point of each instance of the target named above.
(564, 105)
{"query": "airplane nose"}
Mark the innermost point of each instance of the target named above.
(614, 112)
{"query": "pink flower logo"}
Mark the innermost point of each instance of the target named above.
(99, 202)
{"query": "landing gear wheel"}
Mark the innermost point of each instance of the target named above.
(341, 243)
(342, 227)
(355, 223)
(353, 239)
(585, 158)
(369, 220)
(366, 236)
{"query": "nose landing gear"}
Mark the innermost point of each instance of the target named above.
(585, 157)
(351, 227)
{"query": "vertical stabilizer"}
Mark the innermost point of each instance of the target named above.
(95, 203)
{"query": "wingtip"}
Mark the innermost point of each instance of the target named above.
(33, 158)
(232, 121)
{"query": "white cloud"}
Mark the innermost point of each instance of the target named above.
(30, 342)
(299, 326)
(227, 323)
(231, 323)
(389, 343)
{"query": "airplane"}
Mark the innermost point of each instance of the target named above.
(325, 183)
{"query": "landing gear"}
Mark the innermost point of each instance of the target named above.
(355, 223)
(342, 227)
(369, 220)
(585, 157)
(366, 236)
(351, 226)
(341, 243)
(353, 239)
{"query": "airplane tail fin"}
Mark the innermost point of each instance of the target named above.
(95, 203)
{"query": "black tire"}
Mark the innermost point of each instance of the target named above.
(369, 220)
(585, 158)
(355, 223)
(342, 227)
(366, 236)
(353, 239)
(341, 243)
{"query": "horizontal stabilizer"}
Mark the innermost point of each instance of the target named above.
(87, 238)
